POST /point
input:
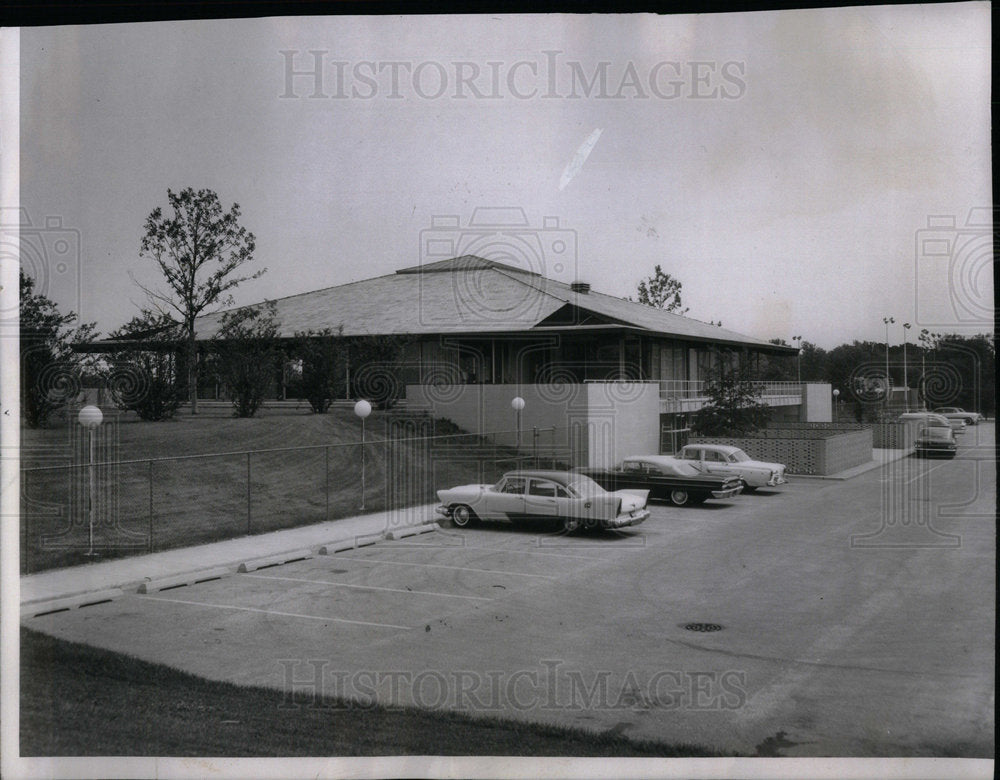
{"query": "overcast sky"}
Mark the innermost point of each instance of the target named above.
(782, 165)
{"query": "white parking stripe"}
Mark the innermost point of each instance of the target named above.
(275, 612)
(370, 587)
(376, 562)
(495, 550)
(924, 473)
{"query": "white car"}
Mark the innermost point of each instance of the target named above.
(932, 419)
(725, 459)
(957, 413)
(572, 500)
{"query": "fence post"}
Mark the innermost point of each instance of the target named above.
(326, 480)
(248, 494)
(150, 506)
(534, 444)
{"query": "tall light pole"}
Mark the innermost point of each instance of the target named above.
(836, 406)
(362, 409)
(906, 383)
(90, 417)
(925, 337)
(798, 358)
(517, 404)
(888, 378)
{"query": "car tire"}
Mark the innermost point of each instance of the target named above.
(571, 524)
(749, 488)
(462, 516)
(680, 498)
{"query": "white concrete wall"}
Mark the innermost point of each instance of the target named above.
(817, 402)
(600, 422)
(623, 419)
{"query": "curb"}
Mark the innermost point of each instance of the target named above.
(411, 530)
(277, 559)
(188, 578)
(47, 605)
(66, 603)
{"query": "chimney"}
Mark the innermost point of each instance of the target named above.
(580, 287)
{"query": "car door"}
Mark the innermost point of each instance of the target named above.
(716, 463)
(542, 499)
(507, 503)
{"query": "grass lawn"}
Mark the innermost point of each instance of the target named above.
(78, 700)
(198, 500)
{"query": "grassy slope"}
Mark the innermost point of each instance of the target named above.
(79, 700)
(202, 500)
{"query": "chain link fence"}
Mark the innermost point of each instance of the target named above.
(86, 510)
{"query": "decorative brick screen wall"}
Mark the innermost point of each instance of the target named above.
(894, 436)
(805, 451)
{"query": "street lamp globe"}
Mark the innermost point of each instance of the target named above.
(90, 417)
(517, 404)
(362, 409)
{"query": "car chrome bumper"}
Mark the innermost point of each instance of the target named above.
(633, 518)
(775, 481)
(728, 493)
(443, 510)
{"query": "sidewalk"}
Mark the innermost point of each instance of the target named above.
(94, 579)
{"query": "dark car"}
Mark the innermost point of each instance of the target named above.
(935, 440)
(666, 478)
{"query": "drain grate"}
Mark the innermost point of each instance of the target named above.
(702, 627)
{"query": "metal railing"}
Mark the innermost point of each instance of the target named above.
(149, 504)
(672, 389)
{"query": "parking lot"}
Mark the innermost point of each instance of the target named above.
(821, 618)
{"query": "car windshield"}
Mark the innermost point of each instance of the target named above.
(584, 486)
(739, 456)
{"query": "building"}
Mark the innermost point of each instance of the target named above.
(610, 373)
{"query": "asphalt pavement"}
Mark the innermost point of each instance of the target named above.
(827, 617)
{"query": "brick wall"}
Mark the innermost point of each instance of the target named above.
(818, 452)
(894, 436)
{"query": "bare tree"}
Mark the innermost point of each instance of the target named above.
(199, 249)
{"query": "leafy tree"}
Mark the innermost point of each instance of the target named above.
(777, 368)
(246, 354)
(143, 377)
(199, 249)
(323, 354)
(50, 369)
(661, 291)
(961, 371)
(734, 406)
(376, 364)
